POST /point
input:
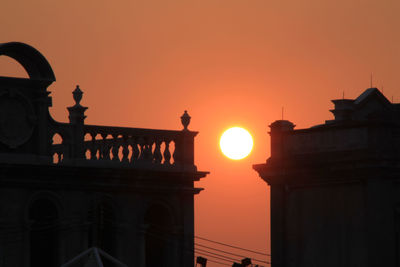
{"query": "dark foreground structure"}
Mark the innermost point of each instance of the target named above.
(67, 187)
(335, 188)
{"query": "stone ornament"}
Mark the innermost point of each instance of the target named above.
(185, 120)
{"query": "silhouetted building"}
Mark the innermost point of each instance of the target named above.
(66, 187)
(335, 191)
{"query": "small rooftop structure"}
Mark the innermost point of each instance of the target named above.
(355, 110)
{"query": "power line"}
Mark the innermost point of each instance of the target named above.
(228, 245)
(229, 258)
(194, 250)
(224, 244)
(206, 252)
(219, 255)
(233, 254)
(218, 262)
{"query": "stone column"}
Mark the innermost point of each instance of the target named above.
(184, 146)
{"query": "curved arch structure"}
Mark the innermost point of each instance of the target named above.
(35, 64)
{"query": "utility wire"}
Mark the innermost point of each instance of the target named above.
(233, 254)
(194, 250)
(228, 245)
(217, 262)
(208, 260)
(219, 255)
(224, 244)
(204, 252)
(206, 255)
(229, 258)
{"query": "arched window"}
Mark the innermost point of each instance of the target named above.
(43, 215)
(158, 236)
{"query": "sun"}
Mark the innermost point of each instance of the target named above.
(236, 143)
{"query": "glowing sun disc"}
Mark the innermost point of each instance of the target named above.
(236, 143)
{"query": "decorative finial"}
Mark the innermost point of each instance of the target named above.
(185, 120)
(77, 112)
(77, 94)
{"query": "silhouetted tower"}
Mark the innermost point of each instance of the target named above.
(335, 194)
(67, 187)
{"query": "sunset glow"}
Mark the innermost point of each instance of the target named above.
(227, 62)
(236, 143)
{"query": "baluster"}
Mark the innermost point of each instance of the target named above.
(115, 147)
(135, 150)
(93, 148)
(157, 152)
(167, 153)
(148, 154)
(105, 150)
(125, 150)
(141, 144)
(176, 155)
(59, 157)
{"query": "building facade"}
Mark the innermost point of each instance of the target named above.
(66, 187)
(335, 188)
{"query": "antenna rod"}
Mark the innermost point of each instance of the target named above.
(282, 113)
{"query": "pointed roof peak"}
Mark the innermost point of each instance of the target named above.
(94, 258)
(369, 93)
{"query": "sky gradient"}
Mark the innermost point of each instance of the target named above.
(228, 62)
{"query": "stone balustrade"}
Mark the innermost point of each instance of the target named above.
(364, 135)
(120, 146)
(132, 145)
(327, 141)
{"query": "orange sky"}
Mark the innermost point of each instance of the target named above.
(229, 62)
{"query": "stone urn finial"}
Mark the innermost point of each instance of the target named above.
(77, 94)
(77, 112)
(185, 120)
